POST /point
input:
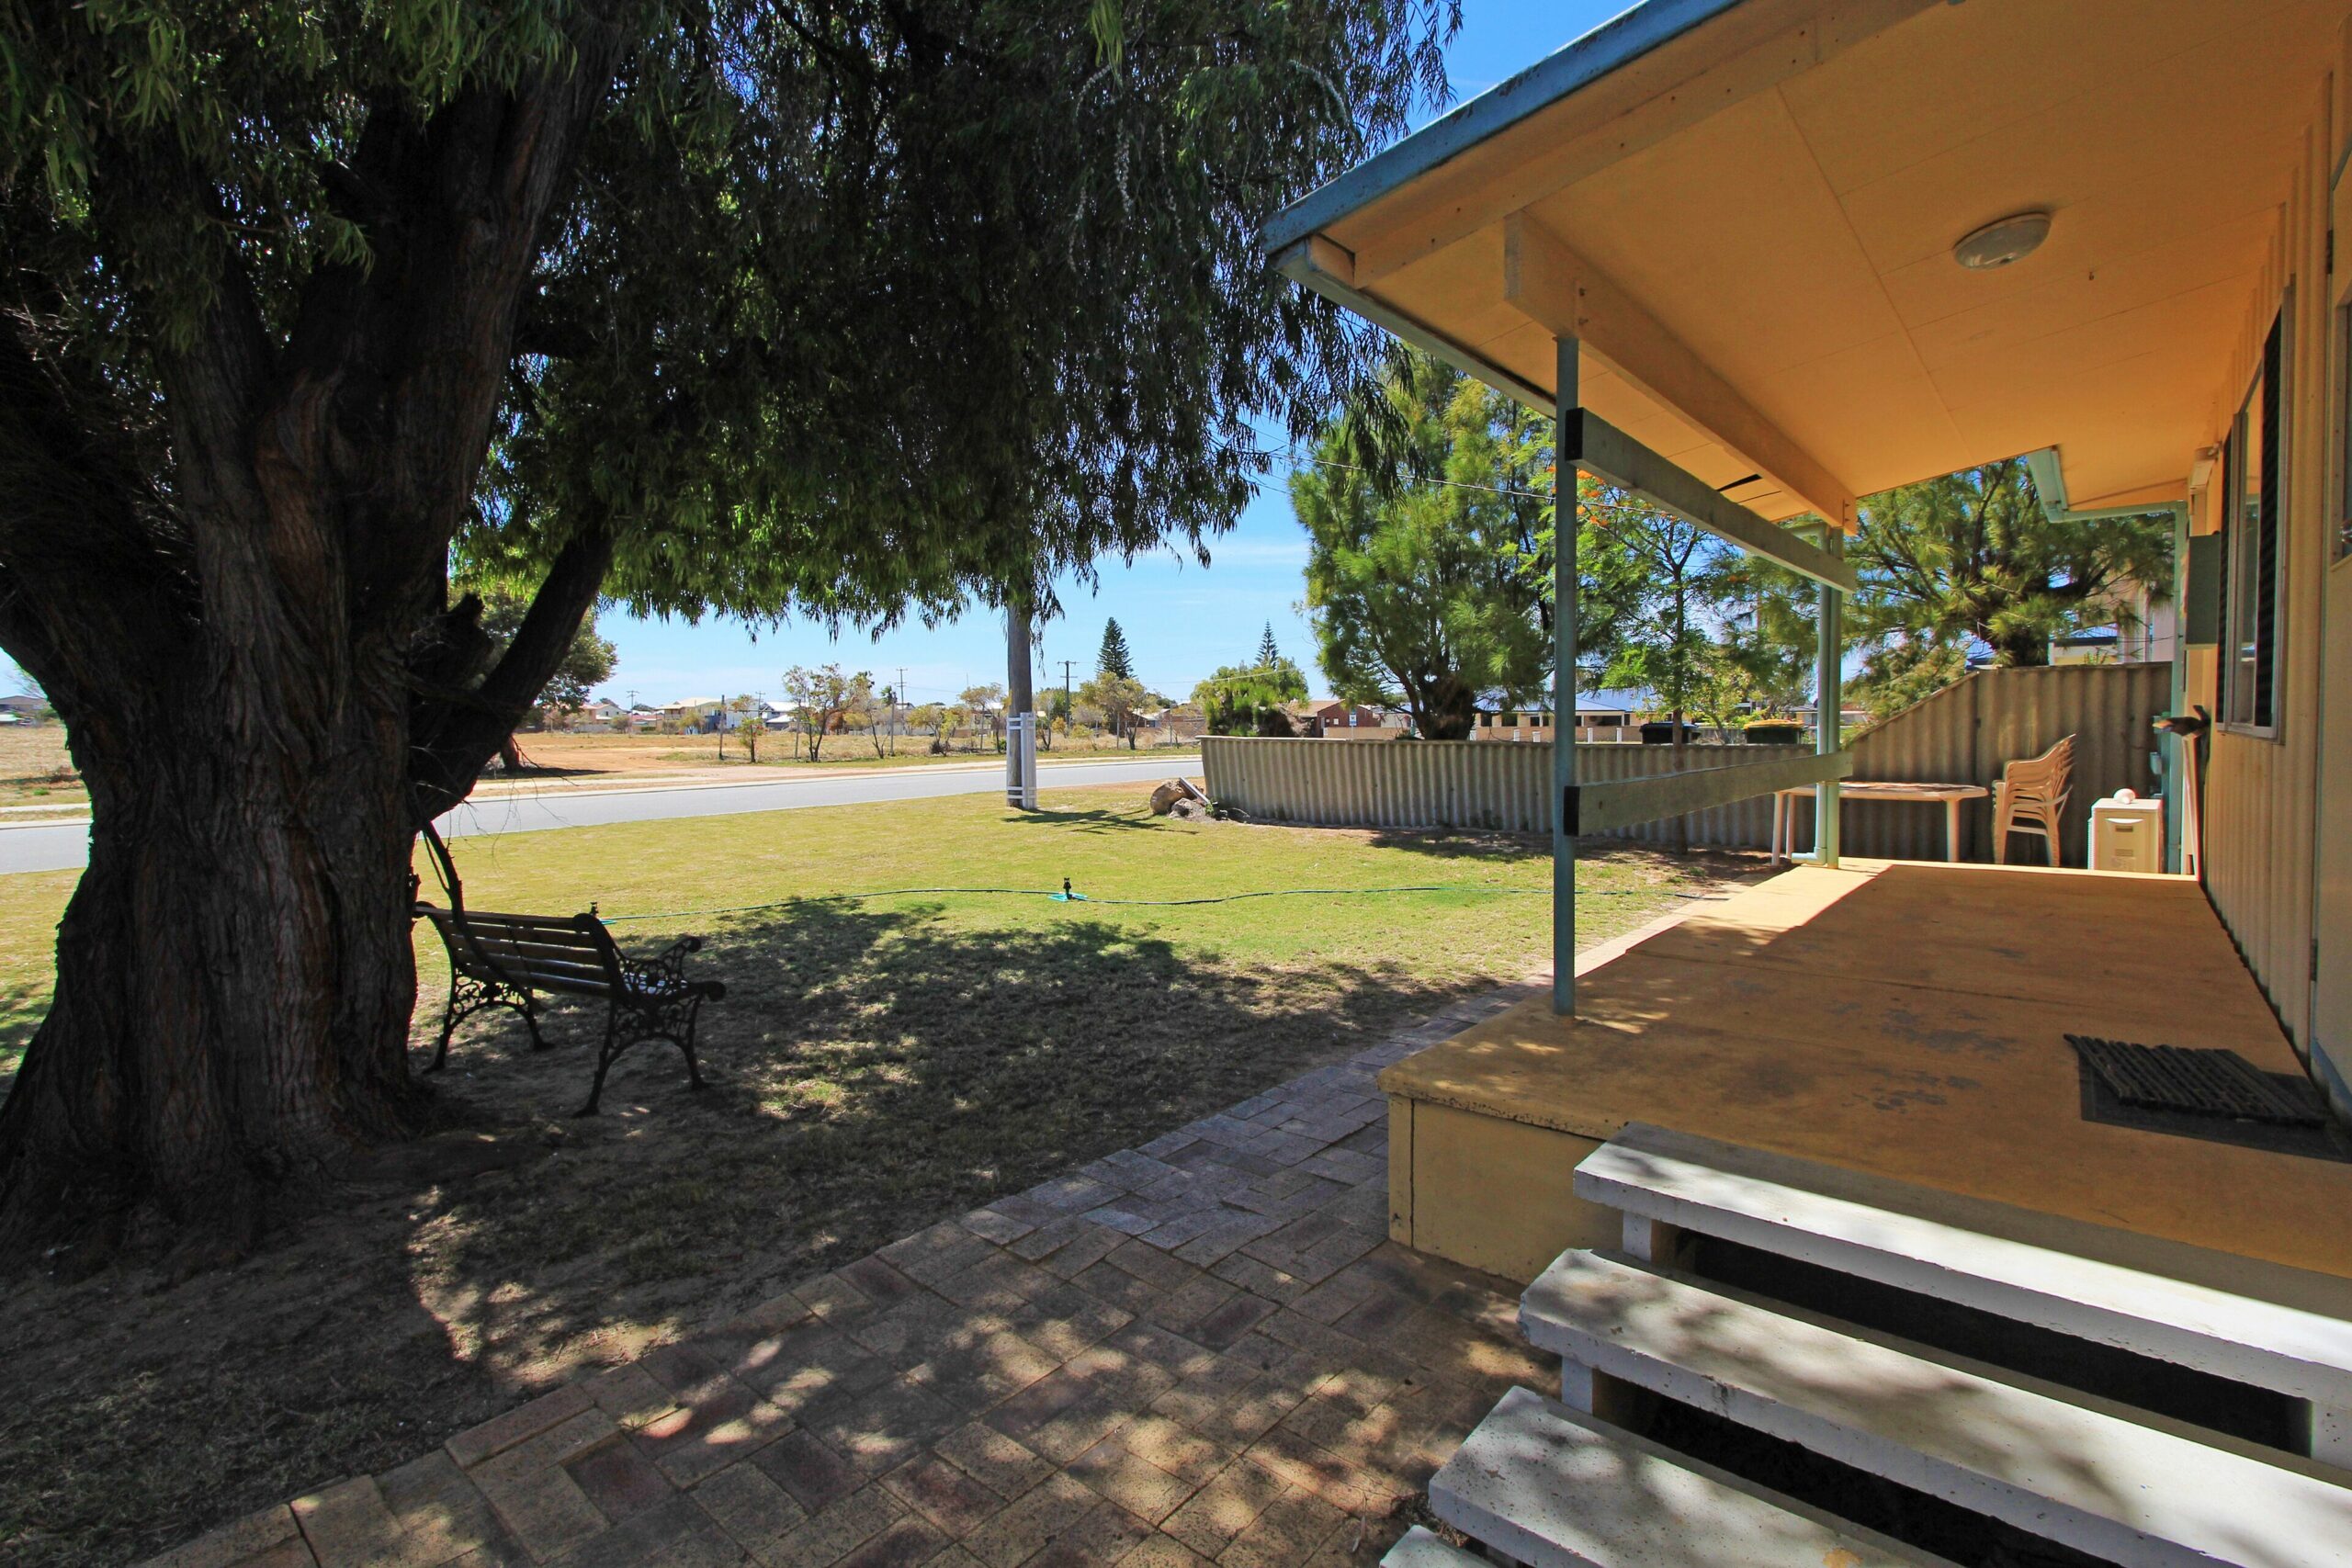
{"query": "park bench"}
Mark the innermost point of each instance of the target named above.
(503, 960)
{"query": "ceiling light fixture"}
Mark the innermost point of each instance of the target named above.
(2001, 242)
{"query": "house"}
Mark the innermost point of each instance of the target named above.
(600, 711)
(642, 719)
(1600, 716)
(1759, 258)
(1335, 720)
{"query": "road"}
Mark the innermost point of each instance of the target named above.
(62, 845)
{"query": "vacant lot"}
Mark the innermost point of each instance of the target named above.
(34, 769)
(879, 1063)
(583, 752)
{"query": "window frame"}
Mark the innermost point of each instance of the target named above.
(2248, 695)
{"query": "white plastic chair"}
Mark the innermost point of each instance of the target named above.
(2031, 797)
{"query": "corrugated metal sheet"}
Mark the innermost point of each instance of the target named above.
(1461, 784)
(1962, 735)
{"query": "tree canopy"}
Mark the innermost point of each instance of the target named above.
(1973, 560)
(1416, 582)
(758, 307)
(1113, 658)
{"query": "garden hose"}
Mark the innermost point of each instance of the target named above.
(1068, 894)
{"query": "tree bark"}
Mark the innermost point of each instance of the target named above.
(265, 686)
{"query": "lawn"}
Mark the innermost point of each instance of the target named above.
(882, 1060)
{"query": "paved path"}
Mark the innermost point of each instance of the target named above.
(1203, 1349)
(61, 845)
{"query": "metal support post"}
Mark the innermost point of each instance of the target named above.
(1829, 696)
(1564, 695)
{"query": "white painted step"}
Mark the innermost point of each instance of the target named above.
(2251, 1320)
(2136, 1490)
(1417, 1548)
(1556, 1488)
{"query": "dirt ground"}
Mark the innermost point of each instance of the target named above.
(34, 768)
(589, 751)
(874, 1070)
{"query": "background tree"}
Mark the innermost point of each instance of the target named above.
(1415, 581)
(933, 718)
(1114, 659)
(1240, 698)
(1971, 560)
(747, 717)
(820, 698)
(602, 296)
(1269, 652)
(588, 661)
(1118, 698)
(985, 706)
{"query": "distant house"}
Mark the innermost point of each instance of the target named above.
(25, 709)
(697, 714)
(642, 719)
(1600, 716)
(602, 711)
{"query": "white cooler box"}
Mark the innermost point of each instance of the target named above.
(2127, 833)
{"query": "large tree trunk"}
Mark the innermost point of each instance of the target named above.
(250, 642)
(235, 977)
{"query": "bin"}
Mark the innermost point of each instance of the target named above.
(2127, 833)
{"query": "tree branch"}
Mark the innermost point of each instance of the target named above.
(454, 734)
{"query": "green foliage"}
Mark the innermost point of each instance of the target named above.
(1238, 698)
(587, 664)
(747, 720)
(823, 699)
(1116, 698)
(1269, 652)
(844, 310)
(1415, 577)
(1114, 659)
(1971, 560)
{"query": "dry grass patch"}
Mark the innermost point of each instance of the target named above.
(879, 1064)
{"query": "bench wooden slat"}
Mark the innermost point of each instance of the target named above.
(531, 952)
(541, 975)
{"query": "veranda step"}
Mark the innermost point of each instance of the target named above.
(2133, 1489)
(1417, 1548)
(1556, 1488)
(2252, 1322)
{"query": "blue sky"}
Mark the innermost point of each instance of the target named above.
(1181, 620)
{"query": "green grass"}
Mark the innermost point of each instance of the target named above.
(879, 1063)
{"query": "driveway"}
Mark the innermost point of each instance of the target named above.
(58, 846)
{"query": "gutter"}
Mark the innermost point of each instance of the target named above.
(1622, 38)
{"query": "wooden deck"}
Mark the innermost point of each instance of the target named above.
(1898, 1018)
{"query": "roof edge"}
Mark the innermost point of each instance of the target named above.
(1577, 64)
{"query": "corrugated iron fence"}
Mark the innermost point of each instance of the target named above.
(1962, 735)
(1461, 783)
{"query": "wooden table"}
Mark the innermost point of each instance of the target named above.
(1952, 794)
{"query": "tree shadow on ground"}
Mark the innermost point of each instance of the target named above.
(1095, 821)
(872, 1071)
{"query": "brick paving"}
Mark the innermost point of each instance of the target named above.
(1205, 1349)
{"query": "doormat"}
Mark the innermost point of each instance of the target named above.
(2217, 1096)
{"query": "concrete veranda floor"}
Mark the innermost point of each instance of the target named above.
(1202, 1349)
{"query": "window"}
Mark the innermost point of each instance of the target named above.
(2343, 519)
(2249, 678)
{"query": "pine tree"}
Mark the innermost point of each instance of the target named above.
(1268, 654)
(1114, 658)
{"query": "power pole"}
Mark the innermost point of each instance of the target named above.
(899, 699)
